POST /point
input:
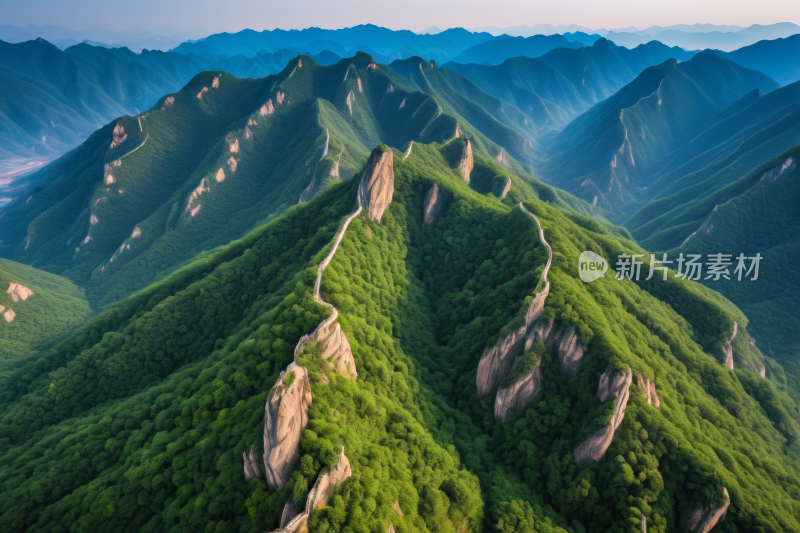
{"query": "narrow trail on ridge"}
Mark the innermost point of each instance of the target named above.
(322, 266)
(549, 249)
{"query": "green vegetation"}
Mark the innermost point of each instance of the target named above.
(56, 308)
(138, 420)
(526, 363)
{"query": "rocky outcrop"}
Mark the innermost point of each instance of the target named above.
(288, 514)
(612, 385)
(465, 164)
(285, 418)
(377, 183)
(390, 529)
(497, 362)
(396, 507)
(506, 188)
(644, 524)
(9, 315)
(432, 208)
(762, 371)
(319, 494)
(501, 158)
(728, 347)
(335, 348)
(252, 468)
(703, 518)
(518, 394)
(118, 136)
(649, 389)
(564, 343)
(266, 109)
(19, 292)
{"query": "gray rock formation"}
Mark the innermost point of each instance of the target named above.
(433, 204)
(728, 347)
(252, 460)
(564, 343)
(496, 362)
(288, 514)
(612, 385)
(703, 518)
(377, 184)
(335, 348)
(649, 389)
(319, 494)
(285, 418)
(465, 164)
(518, 394)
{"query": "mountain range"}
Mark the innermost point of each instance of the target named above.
(323, 280)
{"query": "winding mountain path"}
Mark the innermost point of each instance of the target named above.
(322, 266)
(541, 237)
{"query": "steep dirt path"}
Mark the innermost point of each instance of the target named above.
(541, 237)
(322, 266)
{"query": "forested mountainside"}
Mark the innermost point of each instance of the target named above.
(404, 352)
(564, 82)
(147, 193)
(609, 155)
(756, 214)
(36, 309)
(52, 100)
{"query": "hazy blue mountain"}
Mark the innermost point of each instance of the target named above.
(611, 154)
(498, 50)
(574, 80)
(780, 58)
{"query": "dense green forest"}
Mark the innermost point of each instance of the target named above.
(138, 420)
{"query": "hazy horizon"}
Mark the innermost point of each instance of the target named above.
(237, 15)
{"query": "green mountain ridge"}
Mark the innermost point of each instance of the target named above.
(138, 420)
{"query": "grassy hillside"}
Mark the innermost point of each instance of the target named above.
(55, 309)
(138, 420)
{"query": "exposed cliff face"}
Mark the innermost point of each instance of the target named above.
(319, 494)
(518, 394)
(564, 342)
(465, 164)
(506, 188)
(703, 519)
(289, 513)
(432, 205)
(502, 158)
(118, 136)
(334, 347)
(728, 347)
(252, 460)
(285, 418)
(649, 389)
(496, 362)
(377, 184)
(19, 292)
(612, 385)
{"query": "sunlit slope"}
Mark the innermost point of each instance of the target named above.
(138, 421)
(36, 309)
(207, 165)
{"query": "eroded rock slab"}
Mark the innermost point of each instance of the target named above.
(649, 389)
(518, 394)
(336, 349)
(285, 418)
(466, 163)
(433, 199)
(252, 460)
(704, 518)
(728, 347)
(612, 385)
(19, 292)
(377, 184)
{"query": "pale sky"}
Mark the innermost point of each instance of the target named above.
(234, 15)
